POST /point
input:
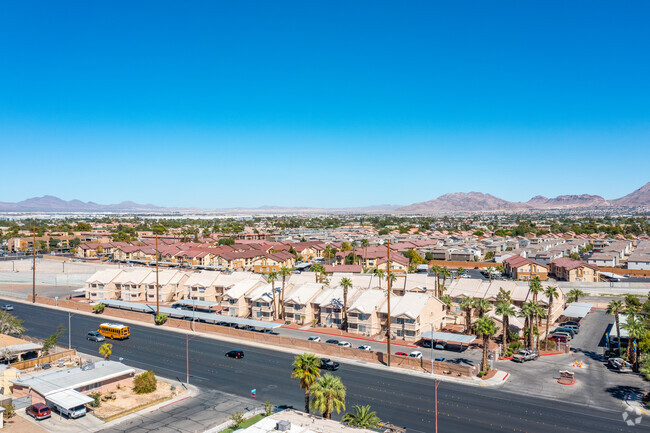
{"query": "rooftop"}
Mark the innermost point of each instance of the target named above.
(300, 423)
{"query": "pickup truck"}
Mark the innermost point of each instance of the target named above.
(525, 355)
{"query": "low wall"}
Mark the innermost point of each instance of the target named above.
(467, 265)
(22, 365)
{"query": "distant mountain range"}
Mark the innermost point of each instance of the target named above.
(448, 203)
(479, 202)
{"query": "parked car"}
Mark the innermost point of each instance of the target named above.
(564, 329)
(401, 354)
(314, 338)
(328, 364)
(574, 328)
(247, 328)
(345, 344)
(238, 354)
(441, 345)
(365, 347)
(620, 364)
(332, 342)
(440, 359)
(570, 322)
(525, 355)
(558, 338)
(426, 343)
(38, 411)
(95, 336)
(561, 333)
(415, 354)
(7, 307)
(75, 412)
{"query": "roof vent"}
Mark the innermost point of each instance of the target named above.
(283, 426)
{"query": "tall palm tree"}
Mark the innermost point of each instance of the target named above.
(327, 395)
(284, 273)
(551, 293)
(364, 244)
(380, 275)
(328, 253)
(460, 271)
(574, 295)
(10, 324)
(635, 330)
(467, 304)
(528, 313)
(506, 311)
(489, 271)
(540, 313)
(318, 270)
(615, 308)
(306, 368)
(445, 274)
(436, 271)
(486, 328)
(482, 306)
(447, 300)
(346, 284)
(362, 418)
(271, 277)
(535, 287)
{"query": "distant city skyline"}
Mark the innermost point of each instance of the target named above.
(322, 104)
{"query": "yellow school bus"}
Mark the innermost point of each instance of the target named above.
(115, 331)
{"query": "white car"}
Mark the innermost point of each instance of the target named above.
(345, 344)
(314, 338)
(365, 347)
(415, 354)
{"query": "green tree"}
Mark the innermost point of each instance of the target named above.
(482, 306)
(380, 275)
(145, 383)
(551, 293)
(83, 227)
(328, 395)
(486, 328)
(10, 324)
(446, 273)
(306, 368)
(535, 287)
(467, 304)
(227, 241)
(361, 417)
(615, 308)
(447, 300)
(437, 270)
(635, 330)
(106, 350)
(574, 295)
(51, 341)
(364, 244)
(460, 271)
(346, 284)
(271, 278)
(506, 311)
(318, 271)
(284, 273)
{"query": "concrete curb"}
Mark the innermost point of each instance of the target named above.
(442, 378)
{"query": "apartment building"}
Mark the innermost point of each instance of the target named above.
(524, 269)
(234, 301)
(170, 284)
(260, 301)
(273, 262)
(101, 286)
(201, 286)
(571, 270)
(412, 314)
(298, 302)
(363, 314)
(329, 305)
(131, 284)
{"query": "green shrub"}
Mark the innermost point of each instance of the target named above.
(268, 408)
(10, 410)
(145, 383)
(96, 399)
(237, 418)
(99, 308)
(161, 319)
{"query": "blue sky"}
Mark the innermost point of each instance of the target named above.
(322, 103)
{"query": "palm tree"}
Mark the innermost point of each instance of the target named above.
(551, 293)
(506, 311)
(327, 395)
(380, 275)
(346, 284)
(364, 244)
(482, 306)
(445, 273)
(436, 270)
(615, 308)
(489, 271)
(318, 270)
(10, 324)
(447, 300)
(306, 368)
(535, 287)
(528, 312)
(106, 350)
(486, 328)
(635, 331)
(540, 312)
(284, 273)
(467, 304)
(362, 418)
(460, 271)
(574, 295)
(328, 253)
(271, 277)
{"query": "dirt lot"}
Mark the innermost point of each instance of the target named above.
(127, 401)
(19, 424)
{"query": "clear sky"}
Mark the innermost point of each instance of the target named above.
(322, 103)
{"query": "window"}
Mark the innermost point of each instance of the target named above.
(363, 317)
(362, 328)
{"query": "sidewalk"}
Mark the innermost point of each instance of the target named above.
(472, 381)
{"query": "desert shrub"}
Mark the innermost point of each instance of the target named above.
(99, 308)
(160, 319)
(96, 399)
(237, 418)
(145, 383)
(10, 410)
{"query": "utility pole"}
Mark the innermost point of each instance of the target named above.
(437, 382)
(157, 297)
(34, 267)
(187, 358)
(389, 289)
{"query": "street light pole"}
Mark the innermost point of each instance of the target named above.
(187, 358)
(388, 274)
(431, 348)
(437, 382)
(34, 267)
(69, 331)
(157, 297)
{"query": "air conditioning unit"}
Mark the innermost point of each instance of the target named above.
(283, 426)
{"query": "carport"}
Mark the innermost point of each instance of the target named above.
(68, 399)
(576, 310)
(448, 337)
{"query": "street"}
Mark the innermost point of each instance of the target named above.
(404, 400)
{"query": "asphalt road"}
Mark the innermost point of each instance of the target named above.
(400, 399)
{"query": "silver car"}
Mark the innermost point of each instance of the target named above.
(95, 336)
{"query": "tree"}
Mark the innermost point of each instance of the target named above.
(490, 271)
(535, 287)
(466, 305)
(446, 273)
(482, 306)
(460, 271)
(306, 368)
(635, 330)
(318, 270)
(551, 293)
(328, 253)
(345, 246)
(486, 328)
(106, 350)
(574, 295)
(506, 311)
(364, 244)
(615, 308)
(447, 300)
(51, 341)
(346, 284)
(82, 227)
(362, 417)
(227, 241)
(436, 271)
(145, 383)
(380, 275)
(284, 273)
(10, 324)
(327, 395)
(271, 277)
(528, 313)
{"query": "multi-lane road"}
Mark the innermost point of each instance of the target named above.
(404, 400)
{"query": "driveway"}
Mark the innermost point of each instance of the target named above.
(60, 424)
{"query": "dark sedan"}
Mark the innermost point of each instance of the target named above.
(328, 364)
(332, 342)
(238, 354)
